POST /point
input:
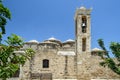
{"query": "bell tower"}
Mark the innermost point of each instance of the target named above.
(83, 30)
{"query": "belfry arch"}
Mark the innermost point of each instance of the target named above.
(84, 24)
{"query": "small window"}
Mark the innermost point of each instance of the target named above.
(45, 63)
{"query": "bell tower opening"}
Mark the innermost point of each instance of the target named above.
(84, 24)
(84, 44)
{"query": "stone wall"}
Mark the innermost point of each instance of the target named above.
(90, 68)
(82, 66)
(60, 66)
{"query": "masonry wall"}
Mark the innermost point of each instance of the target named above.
(89, 68)
(82, 66)
(60, 66)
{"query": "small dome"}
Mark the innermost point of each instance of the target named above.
(33, 41)
(52, 38)
(69, 40)
(82, 7)
(96, 49)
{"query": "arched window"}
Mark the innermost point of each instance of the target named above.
(84, 44)
(84, 24)
(45, 63)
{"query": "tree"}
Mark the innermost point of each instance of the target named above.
(10, 56)
(4, 15)
(112, 63)
(9, 59)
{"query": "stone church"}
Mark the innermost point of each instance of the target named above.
(69, 60)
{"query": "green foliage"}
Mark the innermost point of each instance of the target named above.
(111, 62)
(8, 70)
(115, 47)
(14, 40)
(9, 60)
(101, 44)
(29, 53)
(4, 15)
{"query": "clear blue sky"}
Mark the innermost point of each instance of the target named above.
(41, 19)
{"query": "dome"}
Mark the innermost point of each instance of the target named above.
(33, 41)
(69, 43)
(52, 38)
(96, 49)
(82, 7)
(69, 40)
